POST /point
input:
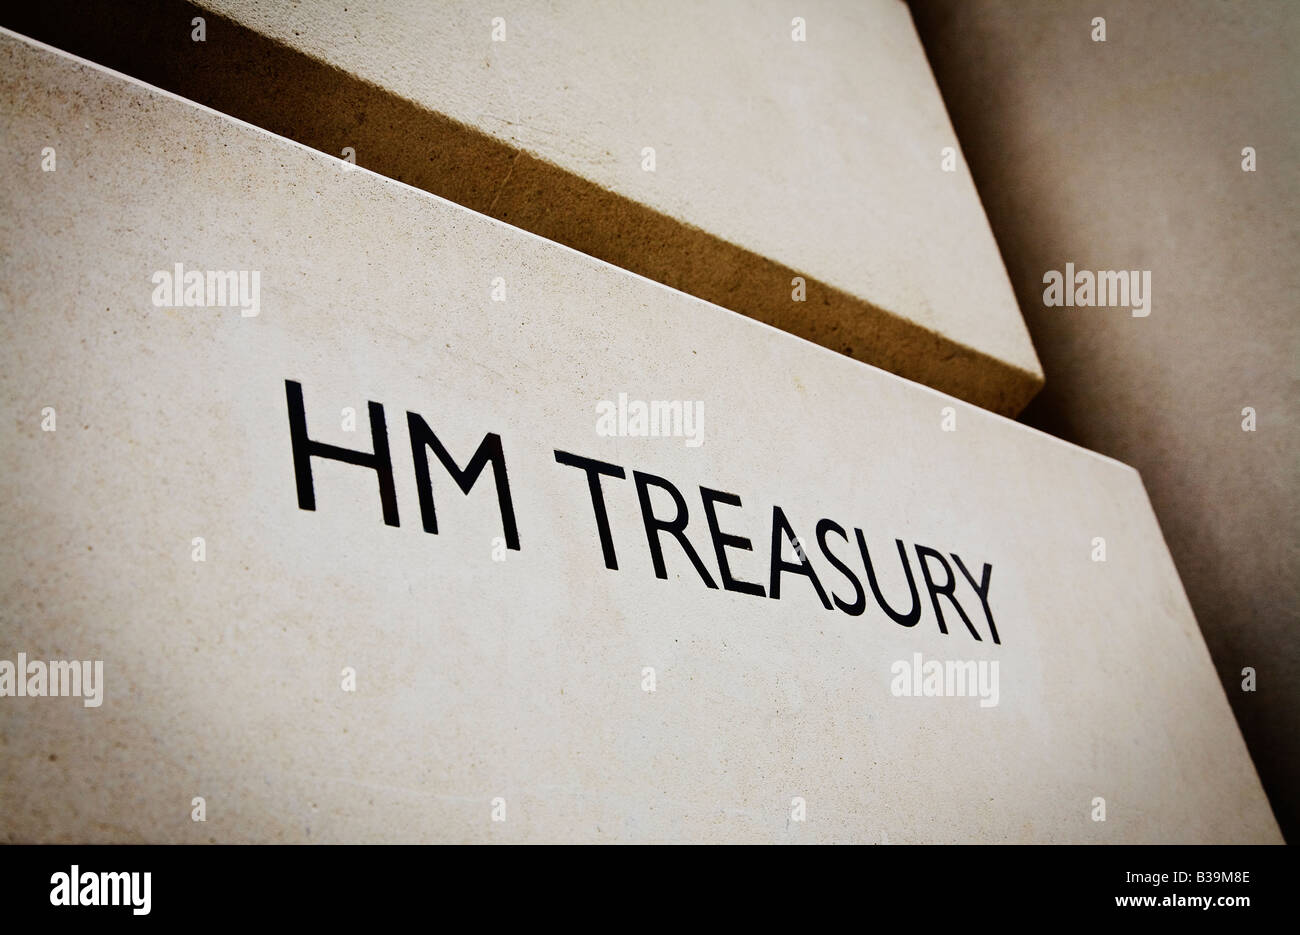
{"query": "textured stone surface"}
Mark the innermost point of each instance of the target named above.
(774, 158)
(1128, 154)
(519, 679)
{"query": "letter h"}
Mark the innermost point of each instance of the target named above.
(304, 449)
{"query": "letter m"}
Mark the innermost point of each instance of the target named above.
(65, 678)
(423, 438)
(1113, 288)
(119, 885)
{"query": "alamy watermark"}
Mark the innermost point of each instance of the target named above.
(1125, 288)
(949, 678)
(232, 288)
(59, 678)
(78, 888)
(671, 418)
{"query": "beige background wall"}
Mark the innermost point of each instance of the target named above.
(1127, 154)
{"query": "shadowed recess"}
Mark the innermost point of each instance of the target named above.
(264, 82)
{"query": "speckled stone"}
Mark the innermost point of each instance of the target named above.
(519, 679)
(774, 159)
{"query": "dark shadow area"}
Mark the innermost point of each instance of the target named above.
(243, 74)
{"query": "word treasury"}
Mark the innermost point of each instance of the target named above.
(946, 589)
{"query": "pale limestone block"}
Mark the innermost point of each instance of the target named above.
(774, 159)
(524, 679)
